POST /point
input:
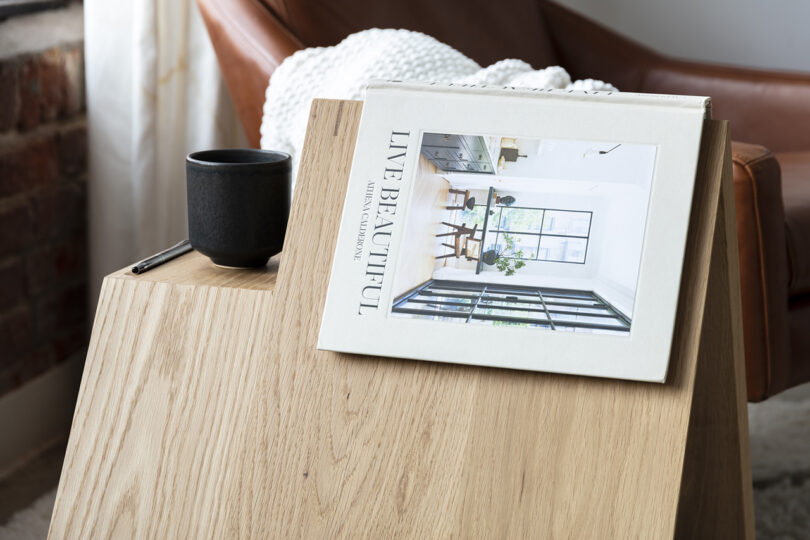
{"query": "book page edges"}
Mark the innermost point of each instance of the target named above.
(701, 103)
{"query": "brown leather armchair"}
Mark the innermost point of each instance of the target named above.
(770, 111)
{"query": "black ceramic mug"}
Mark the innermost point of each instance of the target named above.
(238, 204)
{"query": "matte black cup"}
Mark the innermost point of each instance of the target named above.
(238, 204)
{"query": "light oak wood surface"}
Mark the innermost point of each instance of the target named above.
(206, 411)
(197, 270)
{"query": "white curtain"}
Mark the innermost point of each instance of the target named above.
(154, 94)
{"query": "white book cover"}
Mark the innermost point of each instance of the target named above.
(515, 228)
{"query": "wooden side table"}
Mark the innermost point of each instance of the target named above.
(206, 411)
(168, 394)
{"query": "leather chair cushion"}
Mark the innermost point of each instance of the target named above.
(796, 195)
(763, 267)
(485, 31)
(797, 362)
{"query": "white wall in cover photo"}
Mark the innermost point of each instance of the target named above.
(609, 179)
(154, 94)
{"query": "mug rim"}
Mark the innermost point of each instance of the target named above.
(275, 159)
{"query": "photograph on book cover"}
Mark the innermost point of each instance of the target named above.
(534, 233)
(515, 228)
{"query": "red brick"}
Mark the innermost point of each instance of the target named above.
(52, 84)
(30, 95)
(9, 93)
(29, 163)
(40, 269)
(64, 260)
(69, 342)
(61, 210)
(43, 88)
(59, 309)
(70, 255)
(12, 282)
(12, 179)
(16, 228)
(43, 223)
(72, 150)
(16, 332)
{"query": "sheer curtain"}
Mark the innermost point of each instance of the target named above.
(154, 94)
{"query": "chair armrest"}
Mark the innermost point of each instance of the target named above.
(763, 268)
(250, 43)
(767, 107)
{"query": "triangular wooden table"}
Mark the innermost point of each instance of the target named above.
(206, 411)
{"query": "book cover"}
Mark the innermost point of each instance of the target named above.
(515, 228)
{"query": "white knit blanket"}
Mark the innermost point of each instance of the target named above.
(342, 71)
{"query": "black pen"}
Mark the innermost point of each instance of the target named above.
(164, 256)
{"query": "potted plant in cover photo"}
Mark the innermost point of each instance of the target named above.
(507, 265)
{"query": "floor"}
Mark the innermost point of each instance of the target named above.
(780, 464)
(27, 484)
(420, 244)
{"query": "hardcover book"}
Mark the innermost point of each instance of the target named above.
(516, 228)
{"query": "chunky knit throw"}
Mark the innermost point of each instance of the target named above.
(342, 71)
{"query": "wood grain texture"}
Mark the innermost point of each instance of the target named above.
(198, 270)
(716, 493)
(206, 410)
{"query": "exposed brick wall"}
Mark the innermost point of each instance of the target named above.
(43, 224)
